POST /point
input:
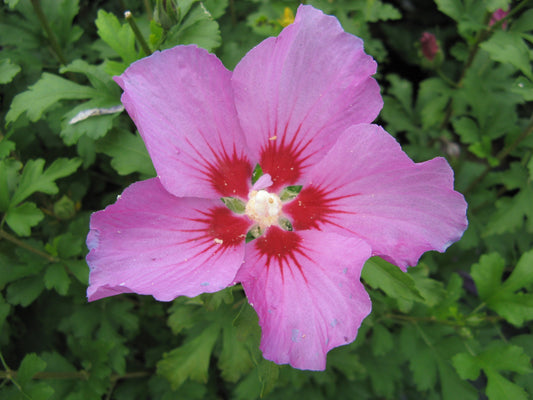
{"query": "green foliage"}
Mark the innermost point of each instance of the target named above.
(457, 326)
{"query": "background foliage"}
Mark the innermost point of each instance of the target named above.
(457, 326)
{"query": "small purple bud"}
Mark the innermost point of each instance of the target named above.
(497, 15)
(430, 47)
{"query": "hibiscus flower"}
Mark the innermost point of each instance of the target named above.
(334, 189)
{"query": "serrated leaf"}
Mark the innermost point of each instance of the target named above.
(511, 212)
(8, 180)
(118, 36)
(24, 291)
(452, 8)
(452, 387)
(382, 340)
(500, 388)
(516, 308)
(234, 360)
(198, 28)
(380, 274)
(33, 178)
(466, 366)
(99, 79)
(30, 365)
(191, 360)
(45, 93)
(487, 274)
(378, 11)
(6, 147)
(8, 71)
(522, 275)
(127, 151)
(496, 357)
(268, 376)
(57, 278)
(432, 100)
(509, 47)
(467, 129)
(80, 270)
(23, 217)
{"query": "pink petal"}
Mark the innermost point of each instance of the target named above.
(295, 93)
(182, 103)
(305, 288)
(150, 242)
(367, 186)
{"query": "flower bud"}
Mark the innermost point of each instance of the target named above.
(166, 13)
(430, 47)
(497, 15)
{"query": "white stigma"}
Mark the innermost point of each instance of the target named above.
(263, 207)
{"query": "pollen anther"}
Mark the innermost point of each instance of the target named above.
(263, 207)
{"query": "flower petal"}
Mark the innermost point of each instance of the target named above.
(150, 242)
(367, 186)
(296, 92)
(305, 288)
(182, 103)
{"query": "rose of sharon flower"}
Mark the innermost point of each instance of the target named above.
(299, 106)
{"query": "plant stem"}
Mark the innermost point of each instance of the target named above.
(129, 17)
(20, 243)
(49, 33)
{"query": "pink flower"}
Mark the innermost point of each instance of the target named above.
(299, 105)
(498, 15)
(430, 47)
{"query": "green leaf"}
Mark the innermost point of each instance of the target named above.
(452, 386)
(452, 8)
(8, 180)
(511, 213)
(268, 376)
(24, 291)
(33, 178)
(99, 79)
(500, 388)
(4, 311)
(382, 340)
(378, 11)
(57, 278)
(467, 129)
(522, 275)
(506, 299)
(8, 71)
(6, 147)
(45, 93)
(118, 36)
(127, 151)
(487, 274)
(509, 47)
(432, 100)
(515, 307)
(191, 360)
(467, 366)
(30, 365)
(23, 217)
(380, 274)
(234, 360)
(198, 27)
(496, 357)
(493, 5)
